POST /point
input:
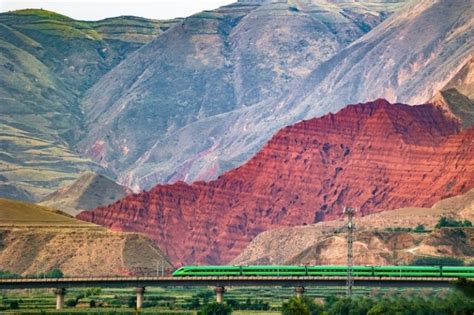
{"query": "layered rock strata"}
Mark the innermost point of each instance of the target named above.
(373, 156)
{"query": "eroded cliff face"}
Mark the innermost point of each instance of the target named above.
(374, 156)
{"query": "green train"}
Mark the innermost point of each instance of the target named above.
(326, 271)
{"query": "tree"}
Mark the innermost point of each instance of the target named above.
(420, 228)
(71, 302)
(8, 274)
(437, 261)
(54, 273)
(14, 305)
(447, 222)
(294, 307)
(215, 309)
(465, 286)
(194, 304)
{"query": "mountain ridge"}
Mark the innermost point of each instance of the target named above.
(89, 191)
(36, 239)
(306, 173)
(259, 51)
(48, 61)
(406, 69)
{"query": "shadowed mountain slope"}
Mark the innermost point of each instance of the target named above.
(89, 191)
(456, 104)
(375, 156)
(47, 62)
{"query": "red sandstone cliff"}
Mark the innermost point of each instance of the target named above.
(374, 156)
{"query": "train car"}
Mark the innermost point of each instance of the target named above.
(328, 271)
(407, 271)
(273, 271)
(457, 271)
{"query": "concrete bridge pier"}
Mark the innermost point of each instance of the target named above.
(299, 292)
(219, 294)
(140, 297)
(60, 293)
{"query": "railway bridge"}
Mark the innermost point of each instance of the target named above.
(219, 283)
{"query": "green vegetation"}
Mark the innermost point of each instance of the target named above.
(448, 222)
(14, 305)
(256, 305)
(437, 261)
(71, 303)
(450, 304)
(398, 229)
(5, 274)
(54, 273)
(325, 300)
(465, 286)
(301, 306)
(49, 61)
(215, 309)
(442, 223)
(420, 228)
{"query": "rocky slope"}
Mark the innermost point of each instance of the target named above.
(89, 191)
(375, 156)
(457, 97)
(376, 242)
(35, 239)
(456, 104)
(463, 81)
(408, 57)
(47, 62)
(214, 63)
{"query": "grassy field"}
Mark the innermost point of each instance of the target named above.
(177, 300)
(16, 213)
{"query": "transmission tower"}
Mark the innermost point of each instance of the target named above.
(349, 211)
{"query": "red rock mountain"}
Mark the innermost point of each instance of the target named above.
(374, 156)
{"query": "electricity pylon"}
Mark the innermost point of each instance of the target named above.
(349, 211)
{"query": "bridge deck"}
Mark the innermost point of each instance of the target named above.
(222, 281)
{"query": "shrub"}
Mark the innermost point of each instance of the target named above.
(420, 228)
(14, 305)
(294, 306)
(398, 229)
(7, 274)
(447, 222)
(301, 306)
(132, 302)
(215, 309)
(71, 303)
(54, 273)
(93, 292)
(437, 261)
